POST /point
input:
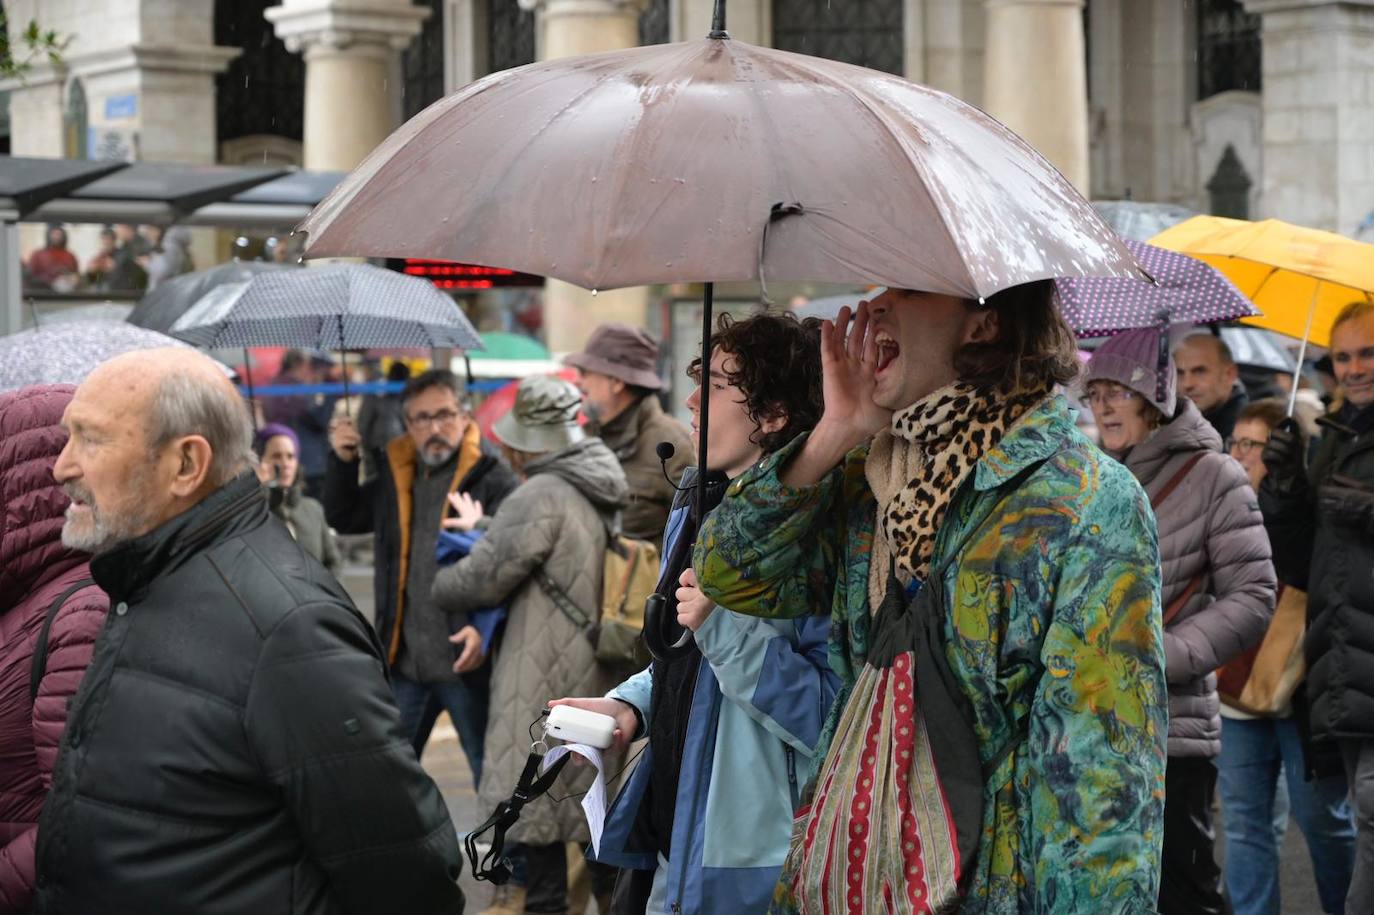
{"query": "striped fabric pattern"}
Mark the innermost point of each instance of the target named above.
(880, 771)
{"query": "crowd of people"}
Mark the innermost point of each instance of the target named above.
(945, 651)
(129, 259)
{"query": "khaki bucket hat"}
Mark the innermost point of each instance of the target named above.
(544, 418)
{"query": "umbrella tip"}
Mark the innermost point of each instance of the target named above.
(718, 21)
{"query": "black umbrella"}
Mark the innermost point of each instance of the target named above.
(160, 308)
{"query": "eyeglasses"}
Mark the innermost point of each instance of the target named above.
(1244, 445)
(438, 418)
(1113, 396)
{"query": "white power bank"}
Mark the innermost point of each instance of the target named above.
(576, 725)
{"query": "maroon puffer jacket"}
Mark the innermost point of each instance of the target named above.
(35, 568)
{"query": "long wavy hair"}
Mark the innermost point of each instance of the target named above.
(1034, 347)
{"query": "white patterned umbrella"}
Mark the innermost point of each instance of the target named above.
(1260, 348)
(342, 306)
(66, 353)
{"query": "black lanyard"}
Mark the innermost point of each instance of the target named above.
(494, 865)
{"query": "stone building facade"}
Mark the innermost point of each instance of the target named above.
(1248, 108)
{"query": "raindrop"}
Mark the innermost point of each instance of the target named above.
(593, 293)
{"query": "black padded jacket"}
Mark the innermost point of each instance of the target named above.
(234, 746)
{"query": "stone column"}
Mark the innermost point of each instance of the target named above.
(1035, 78)
(1318, 98)
(350, 48)
(568, 28)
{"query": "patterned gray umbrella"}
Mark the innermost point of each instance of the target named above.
(160, 309)
(341, 306)
(65, 353)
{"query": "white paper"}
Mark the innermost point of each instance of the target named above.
(594, 801)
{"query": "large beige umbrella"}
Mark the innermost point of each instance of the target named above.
(716, 160)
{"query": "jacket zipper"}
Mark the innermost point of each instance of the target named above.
(684, 855)
(792, 774)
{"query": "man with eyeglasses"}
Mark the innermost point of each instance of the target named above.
(435, 658)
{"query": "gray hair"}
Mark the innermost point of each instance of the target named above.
(187, 403)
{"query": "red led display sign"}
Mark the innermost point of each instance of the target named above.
(453, 275)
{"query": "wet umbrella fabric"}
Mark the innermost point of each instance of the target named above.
(336, 307)
(1259, 348)
(1185, 291)
(66, 353)
(711, 161)
(1141, 220)
(160, 309)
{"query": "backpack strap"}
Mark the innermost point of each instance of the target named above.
(561, 600)
(40, 648)
(1195, 583)
(1176, 480)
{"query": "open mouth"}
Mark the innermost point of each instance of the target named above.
(886, 350)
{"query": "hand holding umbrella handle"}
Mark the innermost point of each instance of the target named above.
(1283, 456)
(663, 642)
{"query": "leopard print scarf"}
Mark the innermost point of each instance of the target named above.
(917, 465)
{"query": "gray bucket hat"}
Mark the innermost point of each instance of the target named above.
(621, 351)
(544, 418)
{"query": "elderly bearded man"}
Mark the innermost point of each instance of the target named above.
(234, 746)
(980, 544)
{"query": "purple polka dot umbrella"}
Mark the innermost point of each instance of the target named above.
(1186, 291)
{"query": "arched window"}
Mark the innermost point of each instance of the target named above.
(422, 63)
(510, 35)
(262, 92)
(1229, 188)
(863, 32)
(75, 121)
(653, 23)
(1228, 48)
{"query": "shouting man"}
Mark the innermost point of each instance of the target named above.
(998, 742)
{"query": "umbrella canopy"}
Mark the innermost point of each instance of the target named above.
(717, 160)
(1186, 291)
(159, 309)
(66, 353)
(1258, 348)
(498, 344)
(1298, 277)
(341, 306)
(1140, 220)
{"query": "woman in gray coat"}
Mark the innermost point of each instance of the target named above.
(278, 450)
(1218, 584)
(551, 533)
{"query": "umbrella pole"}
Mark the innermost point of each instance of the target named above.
(1302, 350)
(704, 406)
(248, 377)
(343, 361)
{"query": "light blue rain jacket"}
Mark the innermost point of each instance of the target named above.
(761, 696)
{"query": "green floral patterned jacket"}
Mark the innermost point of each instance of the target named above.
(1055, 621)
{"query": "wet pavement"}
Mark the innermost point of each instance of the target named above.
(444, 761)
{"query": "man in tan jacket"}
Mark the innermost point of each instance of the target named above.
(619, 382)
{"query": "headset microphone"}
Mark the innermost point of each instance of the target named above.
(665, 452)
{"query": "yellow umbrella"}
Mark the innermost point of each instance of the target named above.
(1299, 278)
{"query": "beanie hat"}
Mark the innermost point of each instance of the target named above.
(1132, 360)
(271, 431)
